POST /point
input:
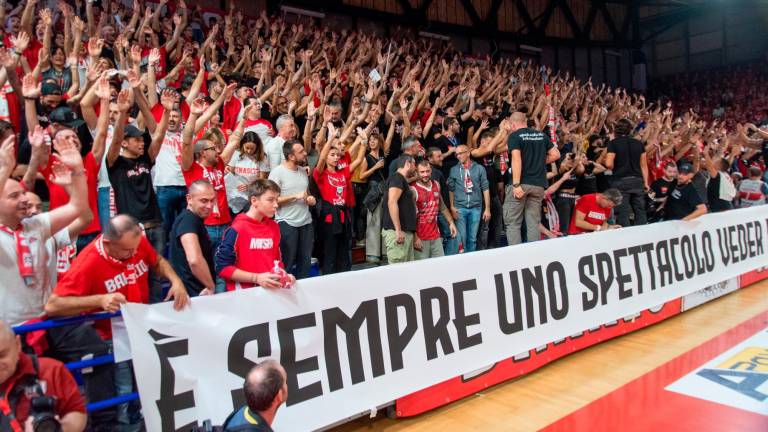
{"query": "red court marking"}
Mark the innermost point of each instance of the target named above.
(644, 404)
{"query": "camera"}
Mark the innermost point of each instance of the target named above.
(42, 411)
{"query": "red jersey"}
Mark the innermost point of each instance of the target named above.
(215, 175)
(249, 245)
(593, 213)
(427, 208)
(230, 112)
(334, 186)
(344, 163)
(59, 196)
(94, 272)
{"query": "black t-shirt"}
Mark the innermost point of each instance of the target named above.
(492, 173)
(405, 203)
(533, 146)
(714, 202)
(681, 202)
(587, 182)
(628, 151)
(189, 223)
(437, 175)
(380, 174)
(132, 182)
(445, 143)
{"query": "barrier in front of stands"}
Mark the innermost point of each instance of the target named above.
(76, 367)
(473, 382)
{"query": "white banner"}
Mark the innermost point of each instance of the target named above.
(353, 341)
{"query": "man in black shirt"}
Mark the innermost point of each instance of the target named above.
(626, 157)
(684, 203)
(659, 192)
(191, 252)
(129, 166)
(530, 152)
(435, 157)
(399, 221)
(448, 143)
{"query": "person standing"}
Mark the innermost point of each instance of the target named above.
(250, 248)
(626, 157)
(450, 243)
(684, 202)
(429, 203)
(469, 194)
(297, 234)
(190, 251)
(530, 152)
(399, 223)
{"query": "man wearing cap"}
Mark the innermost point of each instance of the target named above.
(684, 202)
(592, 211)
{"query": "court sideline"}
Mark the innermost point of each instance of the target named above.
(542, 397)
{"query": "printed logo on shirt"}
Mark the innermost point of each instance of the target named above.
(64, 258)
(596, 215)
(133, 272)
(138, 171)
(261, 243)
(676, 194)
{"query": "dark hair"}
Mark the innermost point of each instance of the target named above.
(288, 147)
(432, 150)
(402, 160)
(448, 121)
(252, 137)
(623, 127)
(261, 186)
(423, 162)
(260, 394)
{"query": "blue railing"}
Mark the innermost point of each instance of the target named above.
(76, 367)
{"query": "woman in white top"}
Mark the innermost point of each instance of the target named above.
(246, 164)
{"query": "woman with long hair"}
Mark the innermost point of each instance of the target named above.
(372, 170)
(246, 163)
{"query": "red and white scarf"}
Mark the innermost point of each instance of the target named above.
(23, 254)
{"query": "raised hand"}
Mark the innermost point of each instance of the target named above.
(102, 89)
(311, 109)
(20, 42)
(168, 99)
(46, 17)
(8, 154)
(36, 138)
(6, 59)
(125, 100)
(133, 79)
(197, 107)
(94, 47)
(136, 54)
(154, 56)
(30, 87)
(69, 155)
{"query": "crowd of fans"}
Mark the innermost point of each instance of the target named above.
(183, 156)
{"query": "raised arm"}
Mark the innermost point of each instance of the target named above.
(124, 104)
(188, 149)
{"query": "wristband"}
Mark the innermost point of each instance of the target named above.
(515, 185)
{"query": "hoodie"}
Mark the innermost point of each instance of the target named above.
(249, 245)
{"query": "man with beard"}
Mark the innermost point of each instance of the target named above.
(660, 190)
(293, 216)
(429, 203)
(684, 202)
(399, 222)
(190, 252)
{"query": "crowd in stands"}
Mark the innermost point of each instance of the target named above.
(182, 156)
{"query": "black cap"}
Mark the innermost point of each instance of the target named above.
(50, 88)
(66, 117)
(132, 131)
(685, 168)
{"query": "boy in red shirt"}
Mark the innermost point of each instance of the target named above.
(250, 249)
(592, 211)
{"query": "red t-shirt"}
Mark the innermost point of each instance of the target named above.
(334, 185)
(59, 196)
(344, 163)
(59, 383)
(427, 208)
(593, 213)
(220, 214)
(94, 273)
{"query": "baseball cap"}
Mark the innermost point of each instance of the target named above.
(685, 168)
(66, 117)
(132, 131)
(50, 88)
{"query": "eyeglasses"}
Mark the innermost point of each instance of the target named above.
(209, 148)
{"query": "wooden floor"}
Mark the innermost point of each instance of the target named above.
(538, 399)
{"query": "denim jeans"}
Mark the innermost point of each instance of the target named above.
(216, 233)
(156, 237)
(103, 204)
(171, 200)
(450, 244)
(129, 413)
(84, 239)
(467, 225)
(296, 248)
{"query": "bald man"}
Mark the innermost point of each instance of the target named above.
(265, 390)
(191, 251)
(20, 376)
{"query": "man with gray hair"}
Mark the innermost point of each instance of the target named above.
(412, 147)
(286, 130)
(592, 211)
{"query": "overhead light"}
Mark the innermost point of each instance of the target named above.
(299, 11)
(530, 48)
(434, 36)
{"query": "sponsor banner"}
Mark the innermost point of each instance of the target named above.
(737, 377)
(354, 341)
(523, 363)
(710, 293)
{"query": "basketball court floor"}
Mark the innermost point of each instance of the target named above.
(703, 370)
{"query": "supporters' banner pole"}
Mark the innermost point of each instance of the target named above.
(356, 340)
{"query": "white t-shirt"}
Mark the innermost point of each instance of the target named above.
(244, 171)
(167, 169)
(20, 302)
(274, 150)
(296, 213)
(103, 174)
